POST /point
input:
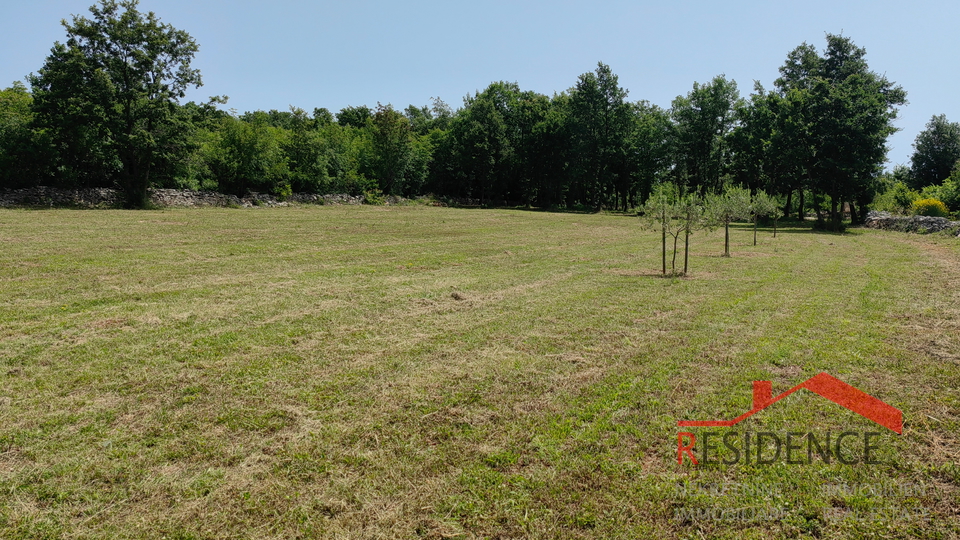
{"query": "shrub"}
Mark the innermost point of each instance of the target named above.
(948, 193)
(930, 207)
(374, 196)
(282, 190)
(897, 199)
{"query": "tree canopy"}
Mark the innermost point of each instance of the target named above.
(104, 110)
(936, 151)
(108, 96)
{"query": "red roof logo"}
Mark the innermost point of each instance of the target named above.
(825, 385)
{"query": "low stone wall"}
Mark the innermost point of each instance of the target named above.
(922, 224)
(44, 196)
(108, 198)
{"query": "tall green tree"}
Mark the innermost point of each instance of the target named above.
(393, 149)
(704, 119)
(649, 149)
(23, 152)
(847, 113)
(936, 151)
(483, 145)
(108, 96)
(601, 124)
(306, 153)
(249, 156)
(354, 116)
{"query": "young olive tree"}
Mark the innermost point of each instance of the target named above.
(763, 205)
(691, 210)
(673, 213)
(723, 208)
(658, 213)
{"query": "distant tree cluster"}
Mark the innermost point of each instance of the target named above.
(104, 111)
(932, 181)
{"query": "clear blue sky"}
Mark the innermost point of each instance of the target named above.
(270, 55)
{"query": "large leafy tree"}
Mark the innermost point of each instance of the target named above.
(21, 148)
(649, 149)
(936, 151)
(249, 156)
(306, 152)
(846, 113)
(601, 124)
(483, 143)
(704, 119)
(393, 149)
(108, 96)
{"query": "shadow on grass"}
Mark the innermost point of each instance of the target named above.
(795, 227)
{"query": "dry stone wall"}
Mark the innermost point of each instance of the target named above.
(921, 224)
(109, 198)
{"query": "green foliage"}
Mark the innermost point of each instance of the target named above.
(394, 151)
(352, 183)
(936, 151)
(703, 119)
(671, 212)
(843, 114)
(930, 207)
(601, 125)
(22, 149)
(763, 205)
(897, 199)
(374, 197)
(306, 153)
(354, 116)
(249, 157)
(108, 97)
(948, 192)
(723, 208)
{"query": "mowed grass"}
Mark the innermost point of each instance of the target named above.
(419, 372)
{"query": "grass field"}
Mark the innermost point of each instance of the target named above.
(419, 372)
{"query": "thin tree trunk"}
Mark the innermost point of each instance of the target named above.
(834, 213)
(786, 207)
(673, 264)
(754, 229)
(686, 245)
(726, 238)
(663, 237)
(801, 213)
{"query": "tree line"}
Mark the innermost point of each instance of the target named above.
(104, 111)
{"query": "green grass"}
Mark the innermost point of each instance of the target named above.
(418, 372)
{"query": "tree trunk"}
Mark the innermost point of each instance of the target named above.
(686, 245)
(801, 211)
(673, 264)
(755, 229)
(854, 217)
(786, 208)
(836, 215)
(726, 238)
(663, 237)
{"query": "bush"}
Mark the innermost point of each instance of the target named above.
(948, 193)
(930, 207)
(898, 199)
(375, 197)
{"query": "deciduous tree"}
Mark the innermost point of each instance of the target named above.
(108, 96)
(936, 151)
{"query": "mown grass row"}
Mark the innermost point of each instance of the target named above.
(431, 372)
